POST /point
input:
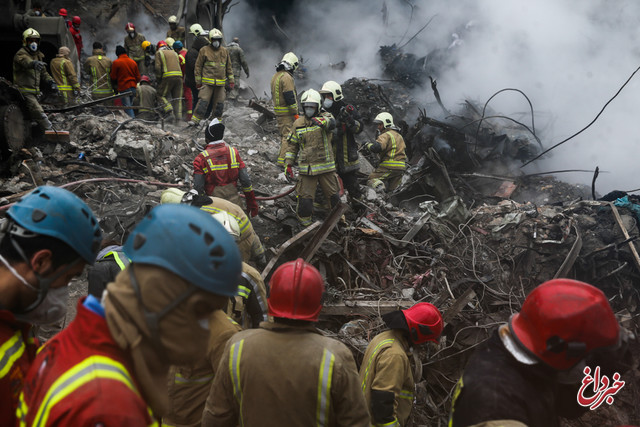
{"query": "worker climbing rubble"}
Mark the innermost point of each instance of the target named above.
(174, 31)
(65, 76)
(390, 147)
(285, 100)
(239, 63)
(98, 67)
(147, 99)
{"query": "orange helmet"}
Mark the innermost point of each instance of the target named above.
(562, 320)
(160, 44)
(424, 321)
(296, 291)
(129, 27)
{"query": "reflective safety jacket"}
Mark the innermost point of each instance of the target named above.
(283, 94)
(386, 379)
(81, 377)
(221, 165)
(109, 262)
(393, 154)
(64, 74)
(177, 34)
(238, 61)
(285, 375)
(98, 66)
(189, 386)
(26, 77)
(17, 352)
(167, 64)
(249, 306)
(311, 145)
(213, 66)
(134, 47)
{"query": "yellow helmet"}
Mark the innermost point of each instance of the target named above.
(196, 29)
(311, 96)
(171, 195)
(228, 222)
(385, 119)
(30, 33)
(215, 34)
(332, 88)
(146, 44)
(173, 19)
(291, 59)
(170, 41)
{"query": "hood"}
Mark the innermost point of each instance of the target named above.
(199, 43)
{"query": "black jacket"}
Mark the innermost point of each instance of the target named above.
(347, 125)
(190, 60)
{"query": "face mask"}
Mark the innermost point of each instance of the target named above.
(216, 44)
(132, 35)
(38, 13)
(51, 310)
(309, 111)
(33, 46)
(327, 103)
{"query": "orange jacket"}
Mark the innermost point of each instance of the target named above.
(125, 71)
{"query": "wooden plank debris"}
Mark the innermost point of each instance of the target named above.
(301, 235)
(632, 247)
(261, 109)
(571, 256)
(312, 247)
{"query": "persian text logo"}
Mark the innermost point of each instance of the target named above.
(597, 389)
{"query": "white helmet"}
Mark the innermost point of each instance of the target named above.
(215, 34)
(228, 222)
(173, 19)
(196, 29)
(171, 195)
(311, 96)
(385, 119)
(291, 59)
(332, 88)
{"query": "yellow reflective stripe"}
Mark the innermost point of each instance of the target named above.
(243, 221)
(323, 167)
(256, 290)
(10, 351)
(64, 87)
(63, 74)
(393, 164)
(234, 160)
(324, 387)
(373, 355)
(406, 394)
(243, 291)
(179, 379)
(247, 189)
(27, 90)
(116, 257)
(234, 369)
(392, 154)
(93, 367)
(389, 424)
(216, 82)
(172, 74)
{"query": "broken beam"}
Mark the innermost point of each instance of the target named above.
(312, 247)
(632, 247)
(261, 109)
(348, 308)
(302, 234)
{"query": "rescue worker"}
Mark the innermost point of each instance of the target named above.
(64, 75)
(47, 238)
(125, 77)
(110, 261)
(133, 45)
(345, 147)
(149, 59)
(199, 41)
(529, 372)
(74, 29)
(390, 147)
(251, 248)
(238, 63)
(186, 91)
(118, 351)
(62, 12)
(146, 98)
(310, 144)
(175, 32)
(170, 41)
(217, 170)
(36, 10)
(285, 100)
(386, 374)
(310, 379)
(169, 75)
(29, 73)
(98, 66)
(212, 73)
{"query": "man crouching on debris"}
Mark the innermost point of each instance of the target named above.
(217, 170)
(530, 371)
(310, 143)
(391, 148)
(386, 371)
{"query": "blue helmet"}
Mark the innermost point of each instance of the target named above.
(177, 45)
(56, 212)
(190, 243)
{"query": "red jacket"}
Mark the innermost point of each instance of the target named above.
(81, 377)
(220, 165)
(77, 38)
(125, 71)
(17, 352)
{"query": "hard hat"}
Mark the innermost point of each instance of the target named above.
(196, 29)
(311, 96)
(228, 222)
(171, 195)
(170, 41)
(332, 88)
(129, 27)
(385, 118)
(562, 320)
(30, 33)
(296, 291)
(161, 43)
(177, 45)
(56, 212)
(145, 79)
(64, 51)
(173, 19)
(62, 12)
(76, 20)
(215, 34)
(190, 243)
(424, 321)
(145, 44)
(291, 59)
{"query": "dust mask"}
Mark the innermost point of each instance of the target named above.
(132, 35)
(216, 44)
(309, 111)
(33, 46)
(327, 103)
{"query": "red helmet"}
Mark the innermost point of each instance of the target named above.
(296, 291)
(562, 320)
(75, 20)
(424, 321)
(62, 12)
(145, 78)
(161, 43)
(129, 27)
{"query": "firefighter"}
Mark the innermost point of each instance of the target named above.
(147, 98)
(124, 77)
(200, 40)
(29, 73)
(390, 147)
(133, 44)
(217, 170)
(64, 75)
(169, 74)
(311, 379)
(386, 374)
(212, 73)
(110, 365)
(98, 67)
(47, 238)
(74, 29)
(36, 10)
(186, 90)
(62, 12)
(175, 32)
(529, 372)
(285, 100)
(348, 124)
(310, 144)
(110, 261)
(238, 63)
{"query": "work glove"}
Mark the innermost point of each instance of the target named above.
(39, 65)
(232, 85)
(296, 117)
(252, 204)
(369, 147)
(288, 172)
(53, 86)
(320, 121)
